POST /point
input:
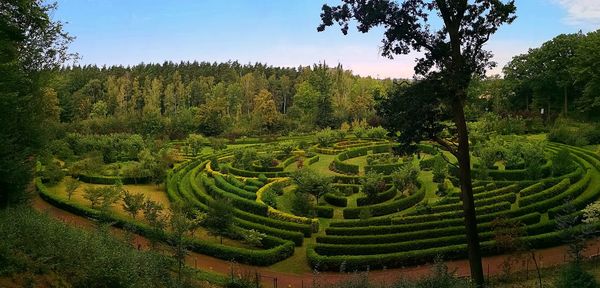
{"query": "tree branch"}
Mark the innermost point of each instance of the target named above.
(450, 147)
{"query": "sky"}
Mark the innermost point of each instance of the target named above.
(278, 33)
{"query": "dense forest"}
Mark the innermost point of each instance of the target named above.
(560, 76)
(231, 99)
(213, 98)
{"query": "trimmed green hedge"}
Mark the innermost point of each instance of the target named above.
(324, 212)
(110, 180)
(335, 200)
(237, 201)
(277, 249)
(386, 208)
(532, 189)
(384, 168)
(386, 195)
(247, 173)
(312, 159)
(342, 187)
(545, 194)
(223, 184)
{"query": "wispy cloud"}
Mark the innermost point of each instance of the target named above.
(581, 12)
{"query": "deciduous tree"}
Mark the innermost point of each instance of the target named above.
(452, 55)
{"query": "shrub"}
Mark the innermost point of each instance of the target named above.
(52, 173)
(562, 163)
(372, 184)
(386, 208)
(312, 183)
(325, 137)
(533, 155)
(574, 276)
(591, 213)
(487, 156)
(287, 147)
(440, 169)
(270, 198)
(61, 149)
(545, 194)
(301, 205)
(217, 144)
(243, 158)
(195, 143)
(377, 132)
(406, 177)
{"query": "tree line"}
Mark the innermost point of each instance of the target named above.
(560, 77)
(213, 98)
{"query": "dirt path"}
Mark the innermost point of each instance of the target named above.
(492, 265)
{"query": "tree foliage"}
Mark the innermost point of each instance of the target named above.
(29, 42)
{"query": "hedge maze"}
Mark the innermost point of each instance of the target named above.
(391, 228)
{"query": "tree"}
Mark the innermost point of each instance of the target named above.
(439, 169)
(71, 186)
(546, 72)
(110, 195)
(311, 183)
(94, 195)
(155, 218)
(406, 178)
(181, 227)
(30, 42)
(195, 143)
(219, 219)
(586, 56)
(453, 55)
(265, 111)
(373, 184)
(133, 203)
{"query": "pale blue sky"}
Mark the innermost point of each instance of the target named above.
(276, 32)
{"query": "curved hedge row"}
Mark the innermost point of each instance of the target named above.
(386, 195)
(248, 173)
(110, 180)
(223, 184)
(545, 194)
(386, 208)
(335, 200)
(277, 249)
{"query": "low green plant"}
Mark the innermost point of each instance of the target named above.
(562, 163)
(573, 275)
(439, 169)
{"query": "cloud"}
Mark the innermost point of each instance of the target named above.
(581, 12)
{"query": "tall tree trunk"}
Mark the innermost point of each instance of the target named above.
(464, 165)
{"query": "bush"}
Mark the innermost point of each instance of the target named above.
(439, 169)
(113, 147)
(574, 133)
(377, 132)
(90, 258)
(562, 163)
(373, 184)
(52, 173)
(61, 149)
(574, 276)
(270, 198)
(325, 137)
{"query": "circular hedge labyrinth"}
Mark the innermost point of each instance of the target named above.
(401, 230)
(349, 228)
